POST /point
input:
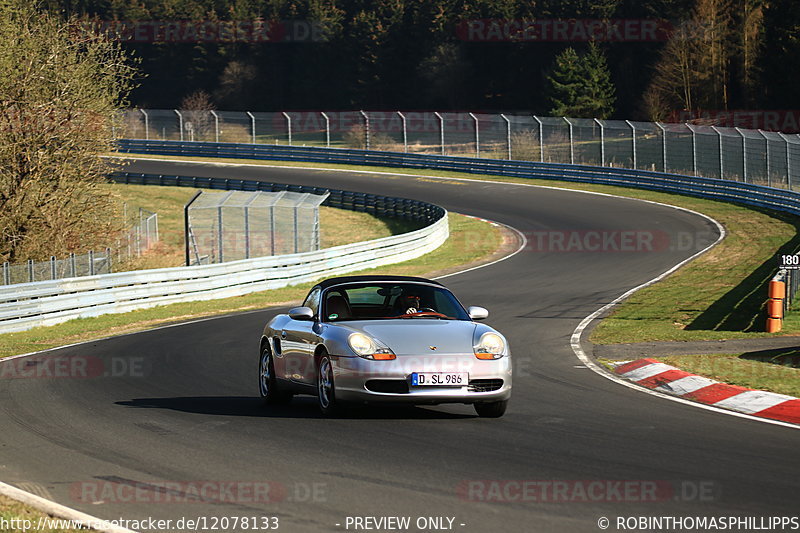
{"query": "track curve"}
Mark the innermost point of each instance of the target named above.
(189, 412)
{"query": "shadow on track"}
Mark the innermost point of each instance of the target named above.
(248, 406)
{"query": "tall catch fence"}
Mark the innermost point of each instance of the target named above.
(233, 225)
(750, 156)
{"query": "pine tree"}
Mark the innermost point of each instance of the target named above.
(565, 83)
(580, 85)
(597, 96)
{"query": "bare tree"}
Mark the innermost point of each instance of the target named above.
(693, 71)
(198, 107)
(60, 88)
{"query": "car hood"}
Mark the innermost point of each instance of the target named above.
(416, 336)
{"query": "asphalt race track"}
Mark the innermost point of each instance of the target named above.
(179, 405)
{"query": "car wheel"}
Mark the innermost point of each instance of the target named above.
(267, 383)
(491, 409)
(326, 390)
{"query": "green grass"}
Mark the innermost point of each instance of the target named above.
(470, 241)
(746, 370)
(13, 510)
(720, 295)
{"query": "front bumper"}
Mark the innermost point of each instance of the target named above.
(363, 380)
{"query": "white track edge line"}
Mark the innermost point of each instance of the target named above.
(60, 511)
(577, 348)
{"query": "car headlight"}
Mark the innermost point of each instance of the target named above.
(490, 346)
(369, 348)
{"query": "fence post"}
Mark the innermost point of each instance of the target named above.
(477, 136)
(441, 130)
(180, 122)
(30, 270)
(247, 232)
(571, 142)
(788, 162)
(541, 138)
(508, 134)
(73, 265)
(721, 166)
(146, 125)
(108, 260)
(694, 148)
(602, 143)
(186, 228)
(633, 141)
(52, 267)
(288, 126)
(272, 229)
(6, 274)
(766, 144)
(405, 132)
(296, 240)
(216, 125)
(366, 135)
(663, 145)
(252, 126)
(744, 152)
(91, 262)
(327, 129)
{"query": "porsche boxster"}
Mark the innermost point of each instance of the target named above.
(372, 339)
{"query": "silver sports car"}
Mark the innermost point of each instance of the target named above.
(385, 339)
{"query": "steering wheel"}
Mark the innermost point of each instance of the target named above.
(430, 312)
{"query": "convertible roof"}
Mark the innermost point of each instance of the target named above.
(355, 279)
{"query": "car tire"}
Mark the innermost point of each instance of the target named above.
(267, 382)
(491, 409)
(326, 389)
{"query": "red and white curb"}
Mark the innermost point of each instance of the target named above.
(667, 379)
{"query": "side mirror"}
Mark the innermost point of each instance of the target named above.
(301, 313)
(477, 313)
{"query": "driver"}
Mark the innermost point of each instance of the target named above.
(407, 304)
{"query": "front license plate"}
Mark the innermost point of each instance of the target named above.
(439, 379)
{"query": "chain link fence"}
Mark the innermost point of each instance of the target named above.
(752, 156)
(233, 225)
(75, 265)
(142, 235)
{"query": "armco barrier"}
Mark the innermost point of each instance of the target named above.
(45, 303)
(716, 189)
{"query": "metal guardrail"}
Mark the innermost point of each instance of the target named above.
(45, 303)
(711, 188)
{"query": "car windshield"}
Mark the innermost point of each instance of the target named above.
(387, 300)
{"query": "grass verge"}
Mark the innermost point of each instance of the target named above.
(16, 513)
(471, 241)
